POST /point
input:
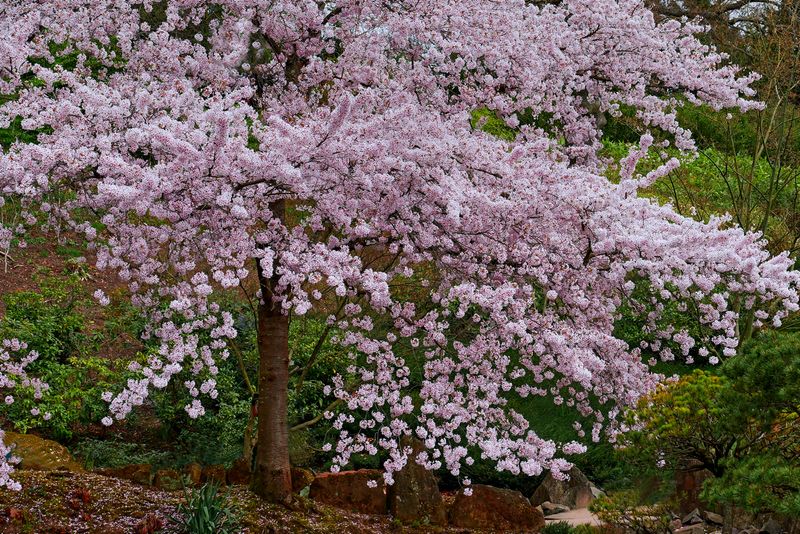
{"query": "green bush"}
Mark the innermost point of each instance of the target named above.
(630, 512)
(47, 319)
(51, 322)
(557, 527)
(96, 453)
(742, 424)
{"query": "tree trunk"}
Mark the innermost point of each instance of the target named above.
(272, 476)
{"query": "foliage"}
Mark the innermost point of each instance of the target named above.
(627, 511)
(51, 322)
(742, 424)
(557, 527)
(98, 453)
(207, 512)
(761, 482)
(682, 421)
(47, 319)
(763, 475)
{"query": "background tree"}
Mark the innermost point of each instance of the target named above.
(743, 425)
(319, 156)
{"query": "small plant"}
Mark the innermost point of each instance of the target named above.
(206, 512)
(558, 527)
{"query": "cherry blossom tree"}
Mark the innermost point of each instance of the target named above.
(326, 150)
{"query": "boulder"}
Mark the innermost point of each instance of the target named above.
(549, 508)
(771, 527)
(415, 496)
(168, 480)
(301, 478)
(692, 518)
(40, 454)
(349, 490)
(194, 473)
(138, 473)
(239, 473)
(691, 529)
(575, 492)
(494, 508)
(688, 485)
(714, 519)
(213, 473)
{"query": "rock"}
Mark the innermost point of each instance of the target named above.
(675, 524)
(415, 496)
(596, 492)
(691, 529)
(713, 518)
(771, 527)
(349, 490)
(688, 485)
(494, 508)
(301, 478)
(168, 480)
(213, 473)
(549, 508)
(138, 473)
(576, 492)
(41, 454)
(692, 518)
(194, 473)
(239, 473)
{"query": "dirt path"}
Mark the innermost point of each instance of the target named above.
(579, 516)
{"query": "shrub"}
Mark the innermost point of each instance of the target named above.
(557, 527)
(50, 321)
(742, 424)
(627, 511)
(47, 319)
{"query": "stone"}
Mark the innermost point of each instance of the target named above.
(349, 490)
(239, 473)
(213, 473)
(675, 524)
(41, 454)
(575, 492)
(168, 480)
(301, 478)
(549, 508)
(692, 518)
(771, 527)
(691, 529)
(414, 496)
(194, 473)
(688, 485)
(494, 508)
(138, 473)
(713, 518)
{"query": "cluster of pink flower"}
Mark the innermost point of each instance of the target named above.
(14, 358)
(188, 124)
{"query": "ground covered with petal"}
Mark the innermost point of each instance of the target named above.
(62, 502)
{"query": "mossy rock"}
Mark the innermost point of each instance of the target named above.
(168, 480)
(41, 454)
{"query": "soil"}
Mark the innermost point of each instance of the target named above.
(63, 502)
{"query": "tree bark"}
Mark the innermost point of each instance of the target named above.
(272, 474)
